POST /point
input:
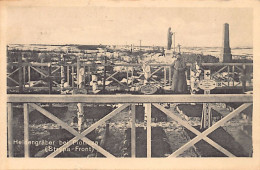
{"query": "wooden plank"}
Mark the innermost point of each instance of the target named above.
(127, 75)
(209, 130)
(39, 72)
(132, 76)
(50, 79)
(133, 132)
(68, 74)
(133, 65)
(72, 76)
(112, 75)
(223, 68)
(192, 129)
(72, 131)
(79, 98)
(10, 129)
(170, 75)
(118, 82)
(20, 74)
(233, 75)
(244, 78)
(156, 81)
(78, 67)
(13, 80)
(55, 69)
(26, 131)
(165, 76)
(24, 76)
(157, 70)
(228, 74)
(91, 128)
(8, 75)
(29, 75)
(149, 130)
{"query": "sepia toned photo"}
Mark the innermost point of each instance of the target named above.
(129, 82)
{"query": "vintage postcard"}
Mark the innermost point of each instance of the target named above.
(153, 85)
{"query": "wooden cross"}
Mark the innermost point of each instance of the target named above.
(206, 119)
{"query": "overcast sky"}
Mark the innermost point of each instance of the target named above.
(103, 25)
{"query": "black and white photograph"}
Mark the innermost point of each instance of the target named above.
(101, 81)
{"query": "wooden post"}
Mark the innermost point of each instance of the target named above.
(50, 79)
(62, 73)
(233, 74)
(72, 76)
(170, 75)
(68, 74)
(80, 80)
(244, 79)
(133, 133)
(127, 76)
(84, 67)
(132, 80)
(78, 67)
(20, 74)
(29, 75)
(10, 129)
(88, 77)
(228, 74)
(165, 75)
(24, 76)
(26, 131)
(206, 119)
(149, 130)
(104, 80)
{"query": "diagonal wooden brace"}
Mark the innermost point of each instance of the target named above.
(204, 134)
(192, 129)
(77, 135)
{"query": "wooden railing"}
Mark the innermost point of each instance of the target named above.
(24, 69)
(125, 101)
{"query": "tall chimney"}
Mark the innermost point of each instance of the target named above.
(226, 51)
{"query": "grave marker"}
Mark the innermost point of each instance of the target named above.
(207, 84)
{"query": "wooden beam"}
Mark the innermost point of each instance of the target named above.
(244, 78)
(68, 74)
(72, 76)
(223, 68)
(13, 80)
(20, 74)
(165, 76)
(157, 70)
(26, 131)
(81, 98)
(133, 132)
(10, 129)
(72, 131)
(209, 130)
(112, 75)
(228, 74)
(55, 69)
(39, 71)
(29, 75)
(91, 128)
(192, 129)
(8, 75)
(149, 130)
(170, 75)
(50, 79)
(24, 76)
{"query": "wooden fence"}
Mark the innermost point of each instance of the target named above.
(231, 69)
(126, 101)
